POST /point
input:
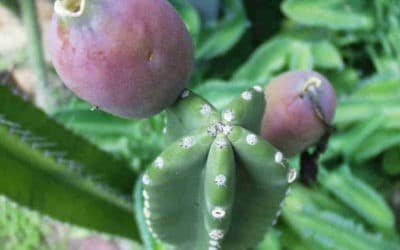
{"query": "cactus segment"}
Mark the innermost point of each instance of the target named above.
(171, 192)
(188, 114)
(222, 186)
(149, 242)
(261, 188)
(246, 110)
(219, 189)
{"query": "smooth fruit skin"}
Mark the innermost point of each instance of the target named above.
(131, 58)
(290, 122)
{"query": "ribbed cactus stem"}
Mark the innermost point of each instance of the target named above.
(246, 109)
(219, 189)
(218, 185)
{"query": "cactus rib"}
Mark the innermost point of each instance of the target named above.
(219, 185)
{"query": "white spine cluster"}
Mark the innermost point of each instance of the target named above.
(251, 139)
(220, 180)
(205, 109)
(187, 142)
(159, 162)
(247, 95)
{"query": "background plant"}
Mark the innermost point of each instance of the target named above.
(355, 202)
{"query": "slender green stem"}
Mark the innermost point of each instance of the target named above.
(29, 13)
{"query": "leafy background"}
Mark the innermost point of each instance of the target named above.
(355, 203)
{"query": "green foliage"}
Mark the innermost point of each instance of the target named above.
(11, 4)
(391, 161)
(360, 197)
(326, 225)
(217, 38)
(138, 142)
(331, 14)
(354, 43)
(20, 230)
(57, 169)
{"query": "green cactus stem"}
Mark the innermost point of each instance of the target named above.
(218, 185)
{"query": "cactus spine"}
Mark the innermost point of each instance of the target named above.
(218, 185)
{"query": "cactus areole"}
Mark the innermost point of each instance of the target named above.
(131, 58)
(217, 185)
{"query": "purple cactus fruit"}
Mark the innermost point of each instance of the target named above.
(300, 107)
(131, 58)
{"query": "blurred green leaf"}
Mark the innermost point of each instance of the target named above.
(363, 142)
(391, 161)
(344, 81)
(11, 5)
(269, 58)
(326, 55)
(377, 143)
(359, 109)
(270, 242)
(359, 134)
(301, 57)
(318, 198)
(208, 9)
(47, 168)
(331, 14)
(189, 16)
(137, 141)
(328, 230)
(21, 229)
(379, 86)
(217, 38)
(360, 197)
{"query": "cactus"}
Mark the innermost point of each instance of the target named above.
(218, 185)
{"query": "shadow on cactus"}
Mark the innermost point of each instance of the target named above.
(218, 185)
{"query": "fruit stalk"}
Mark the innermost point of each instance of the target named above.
(42, 92)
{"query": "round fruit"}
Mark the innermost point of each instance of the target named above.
(131, 58)
(300, 106)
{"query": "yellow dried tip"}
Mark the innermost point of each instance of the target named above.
(311, 82)
(69, 8)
